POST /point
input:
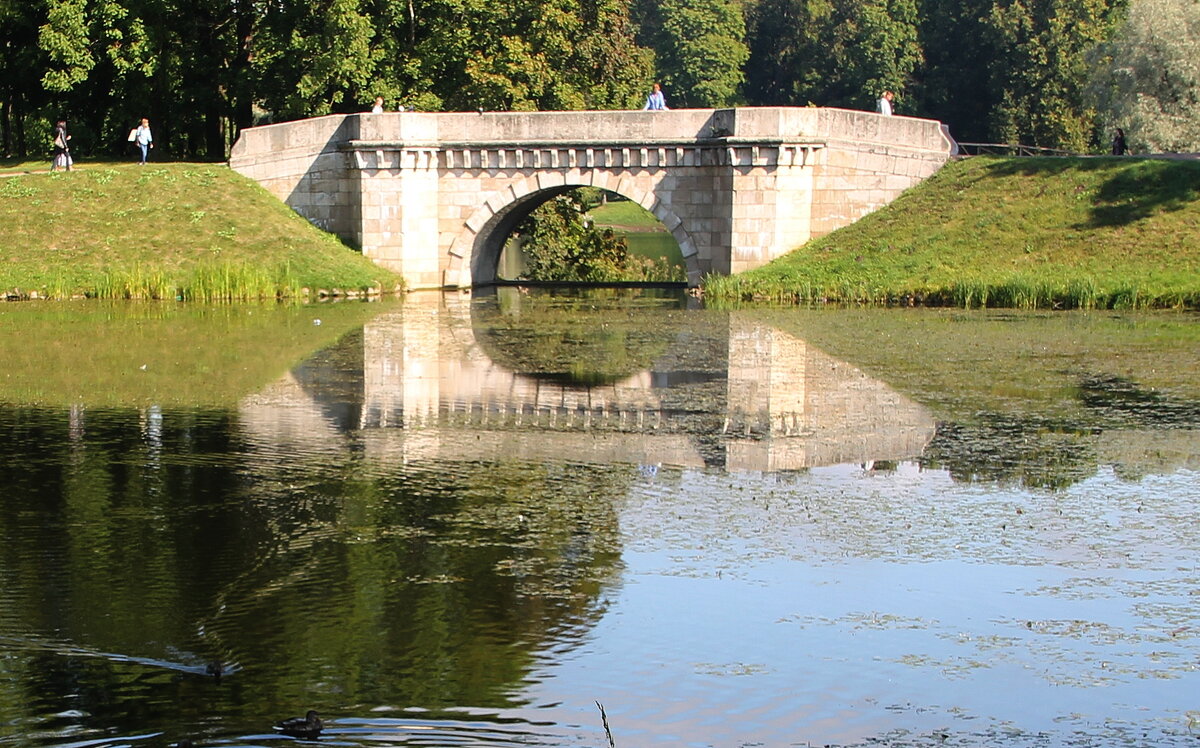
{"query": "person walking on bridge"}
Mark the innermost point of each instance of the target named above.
(656, 102)
(884, 105)
(1119, 148)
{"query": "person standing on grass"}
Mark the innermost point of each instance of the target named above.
(62, 148)
(144, 139)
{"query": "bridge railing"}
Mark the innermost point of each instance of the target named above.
(1008, 149)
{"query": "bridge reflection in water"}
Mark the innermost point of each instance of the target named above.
(723, 391)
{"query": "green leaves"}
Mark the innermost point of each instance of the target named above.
(1041, 85)
(560, 246)
(833, 52)
(1146, 79)
(65, 39)
(994, 70)
(700, 48)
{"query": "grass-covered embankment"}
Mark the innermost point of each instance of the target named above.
(1008, 232)
(170, 230)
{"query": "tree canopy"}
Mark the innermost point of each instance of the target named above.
(1146, 79)
(1045, 72)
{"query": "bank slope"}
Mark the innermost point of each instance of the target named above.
(1011, 232)
(165, 231)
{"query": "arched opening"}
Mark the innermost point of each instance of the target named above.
(607, 238)
(591, 234)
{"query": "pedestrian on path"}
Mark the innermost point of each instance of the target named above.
(1119, 148)
(884, 105)
(62, 147)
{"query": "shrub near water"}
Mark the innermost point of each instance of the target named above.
(1025, 233)
(194, 231)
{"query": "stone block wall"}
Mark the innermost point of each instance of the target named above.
(433, 196)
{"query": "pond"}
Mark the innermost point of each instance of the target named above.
(510, 520)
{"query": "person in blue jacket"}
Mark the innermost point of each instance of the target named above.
(656, 102)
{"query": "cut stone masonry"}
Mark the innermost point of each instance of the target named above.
(434, 196)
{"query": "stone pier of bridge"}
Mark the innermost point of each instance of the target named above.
(434, 197)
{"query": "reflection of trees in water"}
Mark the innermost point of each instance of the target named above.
(1045, 452)
(323, 577)
(588, 340)
(1122, 401)
(1013, 447)
(433, 587)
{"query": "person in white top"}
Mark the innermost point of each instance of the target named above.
(144, 139)
(884, 105)
(378, 108)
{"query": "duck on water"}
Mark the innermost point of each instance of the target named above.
(308, 726)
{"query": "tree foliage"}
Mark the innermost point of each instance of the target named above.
(700, 48)
(1007, 70)
(203, 69)
(1146, 80)
(832, 52)
(954, 84)
(560, 244)
(1040, 89)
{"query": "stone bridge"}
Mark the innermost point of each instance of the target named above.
(435, 196)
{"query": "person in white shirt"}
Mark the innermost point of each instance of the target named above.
(144, 139)
(378, 108)
(884, 105)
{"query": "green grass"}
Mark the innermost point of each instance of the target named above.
(1008, 232)
(626, 214)
(174, 231)
(646, 238)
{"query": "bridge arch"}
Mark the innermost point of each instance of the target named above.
(474, 254)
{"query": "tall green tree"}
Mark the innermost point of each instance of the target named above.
(1146, 80)
(24, 102)
(700, 49)
(954, 83)
(553, 54)
(203, 69)
(1039, 80)
(317, 58)
(832, 52)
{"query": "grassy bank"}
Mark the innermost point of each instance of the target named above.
(191, 231)
(643, 232)
(1008, 232)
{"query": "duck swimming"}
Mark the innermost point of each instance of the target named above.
(308, 726)
(216, 669)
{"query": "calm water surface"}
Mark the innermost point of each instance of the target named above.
(464, 523)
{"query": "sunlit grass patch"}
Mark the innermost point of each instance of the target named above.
(191, 231)
(1025, 233)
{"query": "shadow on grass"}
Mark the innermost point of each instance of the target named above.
(1128, 190)
(23, 165)
(1149, 187)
